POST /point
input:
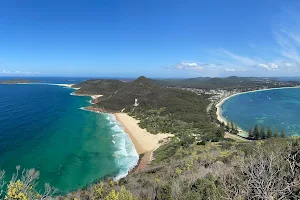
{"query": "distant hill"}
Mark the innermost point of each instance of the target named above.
(159, 109)
(232, 82)
(143, 89)
(16, 81)
(99, 86)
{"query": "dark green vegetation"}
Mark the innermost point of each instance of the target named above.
(232, 82)
(16, 81)
(159, 109)
(98, 86)
(261, 134)
(230, 127)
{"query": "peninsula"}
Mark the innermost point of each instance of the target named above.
(185, 149)
(155, 103)
(202, 143)
(18, 81)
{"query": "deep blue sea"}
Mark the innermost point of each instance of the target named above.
(42, 126)
(278, 109)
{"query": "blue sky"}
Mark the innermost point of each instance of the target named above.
(155, 38)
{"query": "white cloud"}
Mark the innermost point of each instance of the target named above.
(192, 66)
(197, 67)
(241, 63)
(290, 45)
(287, 35)
(286, 61)
(269, 66)
(241, 60)
(235, 70)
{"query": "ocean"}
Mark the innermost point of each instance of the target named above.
(278, 109)
(42, 126)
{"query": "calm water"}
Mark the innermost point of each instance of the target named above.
(278, 109)
(43, 127)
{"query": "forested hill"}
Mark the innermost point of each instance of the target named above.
(98, 86)
(232, 82)
(198, 163)
(144, 90)
(159, 109)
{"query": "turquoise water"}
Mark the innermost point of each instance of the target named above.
(43, 127)
(277, 108)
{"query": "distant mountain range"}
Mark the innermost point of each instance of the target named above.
(105, 86)
(232, 82)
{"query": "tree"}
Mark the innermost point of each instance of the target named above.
(23, 186)
(276, 134)
(232, 126)
(262, 133)
(125, 194)
(220, 132)
(269, 133)
(113, 195)
(256, 132)
(236, 129)
(222, 124)
(250, 133)
(227, 126)
(283, 134)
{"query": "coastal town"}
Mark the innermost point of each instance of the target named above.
(218, 96)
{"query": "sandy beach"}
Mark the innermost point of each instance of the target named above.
(221, 118)
(66, 85)
(94, 97)
(142, 140)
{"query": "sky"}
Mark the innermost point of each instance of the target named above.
(154, 38)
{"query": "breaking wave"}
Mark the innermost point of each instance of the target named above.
(125, 154)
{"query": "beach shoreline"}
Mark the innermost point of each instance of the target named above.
(93, 96)
(220, 116)
(145, 143)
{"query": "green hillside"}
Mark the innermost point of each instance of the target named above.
(98, 86)
(159, 109)
(232, 82)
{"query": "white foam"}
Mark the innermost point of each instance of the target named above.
(126, 156)
(94, 111)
